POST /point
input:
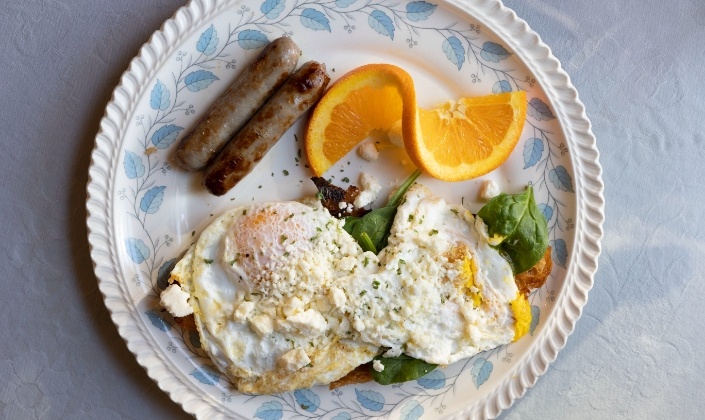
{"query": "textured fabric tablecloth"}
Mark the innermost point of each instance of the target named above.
(637, 351)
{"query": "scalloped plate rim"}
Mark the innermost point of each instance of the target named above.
(574, 123)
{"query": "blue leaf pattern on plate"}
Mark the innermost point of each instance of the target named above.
(381, 23)
(481, 370)
(371, 400)
(137, 250)
(539, 110)
(199, 80)
(159, 99)
(560, 252)
(411, 411)
(307, 399)
(152, 200)
(502, 86)
(195, 339)
(491, 51)
(158, 111)
(344, 3)
(250, 39)
(313, 19)
(134, 168)
(454, 51)
(561, 179)
(165, 136)
(433, 380)
(156, 319)
(208, 41)
(272, 8)
(271, 410)
(535, 315)
(547, 211)
(206, 374)
(419, 10)
(533, 150)
(164, 272)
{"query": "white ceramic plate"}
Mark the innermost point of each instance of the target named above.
(144, 213)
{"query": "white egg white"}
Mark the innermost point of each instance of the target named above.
(442, 293)
(284, 298)
(259, 279)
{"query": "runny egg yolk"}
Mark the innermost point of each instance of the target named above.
(522, 315)
(468, 272)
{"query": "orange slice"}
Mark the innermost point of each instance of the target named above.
(368, 98)
(459, 140)
(468, 138)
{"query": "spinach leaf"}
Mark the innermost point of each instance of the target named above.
(400, 369)
(350, 223)
(519, 221)
(376, 224)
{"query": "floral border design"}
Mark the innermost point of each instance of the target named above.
(539, 151)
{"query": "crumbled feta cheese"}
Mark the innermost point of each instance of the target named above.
(347, 263)
(342, 205)
(175, 300)
(309, 323)
(489, 190)
(243, 311)
(337, 297)
(377, 366)
(294, 360)
(368, 151)
(393, 352)
(369, 190)
(293, 306)
(262, 325)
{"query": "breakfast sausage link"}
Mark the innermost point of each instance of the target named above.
(275, 117)
(238, 104)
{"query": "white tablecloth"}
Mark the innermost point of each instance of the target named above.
(639, 66)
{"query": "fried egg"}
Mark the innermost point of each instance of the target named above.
(442, 293)
(260, 280)
(284, 298)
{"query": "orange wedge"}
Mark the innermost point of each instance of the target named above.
(459, 140)
(468, 138)
(368, 98)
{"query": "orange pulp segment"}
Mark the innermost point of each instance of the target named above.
(468, 138)
(368, 98)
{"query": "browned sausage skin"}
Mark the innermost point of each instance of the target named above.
(238, 104)
(276, 116)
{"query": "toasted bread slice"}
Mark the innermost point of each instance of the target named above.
(536, 276)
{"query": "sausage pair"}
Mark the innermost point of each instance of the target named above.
(260, 106)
